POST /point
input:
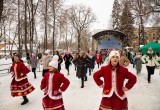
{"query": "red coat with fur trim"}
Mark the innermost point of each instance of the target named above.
(121, 74)
(59, 83)
(21, 70)
(20, 85)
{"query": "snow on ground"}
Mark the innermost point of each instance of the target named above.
(142, 96)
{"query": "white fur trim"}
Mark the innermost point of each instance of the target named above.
(20, 79)
(114, 87)
(49, 92)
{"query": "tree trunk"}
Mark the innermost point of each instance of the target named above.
(19, 40)
(79, 41)
(54, 23)
(1, 9)
(45, 37)
(25, 27)
(32, 20)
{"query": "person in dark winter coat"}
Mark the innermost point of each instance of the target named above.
(60, 60)
(129, 55)
(33, 62)
(92, 62)
(27, 57)
(88, 61)
(67, 58)
(113, 83)
(81, 63)
(20, 85)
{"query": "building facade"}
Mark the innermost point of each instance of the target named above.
(109, 39)
(151, 34)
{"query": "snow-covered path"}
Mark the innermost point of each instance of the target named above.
(142, 96)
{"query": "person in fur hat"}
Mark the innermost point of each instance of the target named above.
(53, 84)
(20, 85)
(114, 75)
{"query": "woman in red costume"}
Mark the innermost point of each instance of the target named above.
(114, 75)
(20, 85)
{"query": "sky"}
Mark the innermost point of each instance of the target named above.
(101, 8)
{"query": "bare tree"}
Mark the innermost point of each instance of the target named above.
(81, 17)
(65, 28)
(25, 26)
(85, 39)
(1, 9)
(19, 39)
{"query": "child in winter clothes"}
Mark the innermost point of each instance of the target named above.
(113, 86)
(53, 84)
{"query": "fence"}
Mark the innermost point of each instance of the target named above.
(7, 67)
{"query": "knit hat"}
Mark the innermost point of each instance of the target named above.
(149, 50)
(113, 53)
(47, 52)
(17, 55)
(54, 64)
(55, 57)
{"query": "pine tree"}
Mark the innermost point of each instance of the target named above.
(116, 15)
(127, 22)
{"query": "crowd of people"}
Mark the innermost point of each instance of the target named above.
(54, 83)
